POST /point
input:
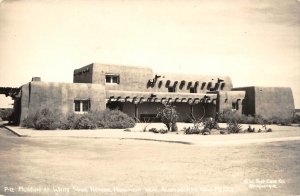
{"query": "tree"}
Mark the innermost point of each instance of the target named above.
(168, 116)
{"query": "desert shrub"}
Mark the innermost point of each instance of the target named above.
(222, 132)
(228, 116)
(296, 119)
(85, 121)
(250, 130)
(269, 130)
(43, 119)
(46, 119)
(234, 116)
(115, 119)
(69, 122)
(285, 121)
(169, 116)
(153, 130)
(163, 131)
(206, 131)
(234, 127)
(210, 123)
(28, 121)
(246, 119)
(5, 114)
(192, 130)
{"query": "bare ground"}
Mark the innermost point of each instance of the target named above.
(95, 166)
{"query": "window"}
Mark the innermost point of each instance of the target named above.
(82, 105)
(112, 78)
(172, 89)
(77, 106)
(193, 90)
(233, 106)
(86, 105)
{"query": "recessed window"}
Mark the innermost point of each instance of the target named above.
(77, 106)
(86, 105)
(193, 90)
(172, 89)
(82, 105)
(235, 105)
(112, 78)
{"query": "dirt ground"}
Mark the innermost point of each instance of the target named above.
(95, 166)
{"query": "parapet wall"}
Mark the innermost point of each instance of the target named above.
(59, 97)
(274, 102)
(143, 79)
(268, 101)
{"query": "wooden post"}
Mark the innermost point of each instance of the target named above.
(136, 111)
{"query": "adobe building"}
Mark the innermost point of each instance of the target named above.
(139, 92)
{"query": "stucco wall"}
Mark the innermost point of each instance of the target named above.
(143, 79)
(131, 78)
(59, 96)
(249, 101)
(83, 75)
(274, 101)
(225, 100)
(203, 83)
(268, 101)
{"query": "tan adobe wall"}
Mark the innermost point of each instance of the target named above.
(274, 101)
(268, 101)
(59, 96)
(83, 75)
(249, 101)
(143, 79)
(131, 78)
(227, 98)
(183, 82)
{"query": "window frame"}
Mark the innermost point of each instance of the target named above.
(111, 78)
(84, 106)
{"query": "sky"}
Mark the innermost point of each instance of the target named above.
(256, 42)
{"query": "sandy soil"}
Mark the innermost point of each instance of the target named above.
(95, 166)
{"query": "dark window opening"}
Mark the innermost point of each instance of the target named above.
(77, 106)
(172, 89)
(209, 86)
(222, 86)
(235, 106)
(114, 105)
(193, 90)
(85, 105)
(112, 78)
